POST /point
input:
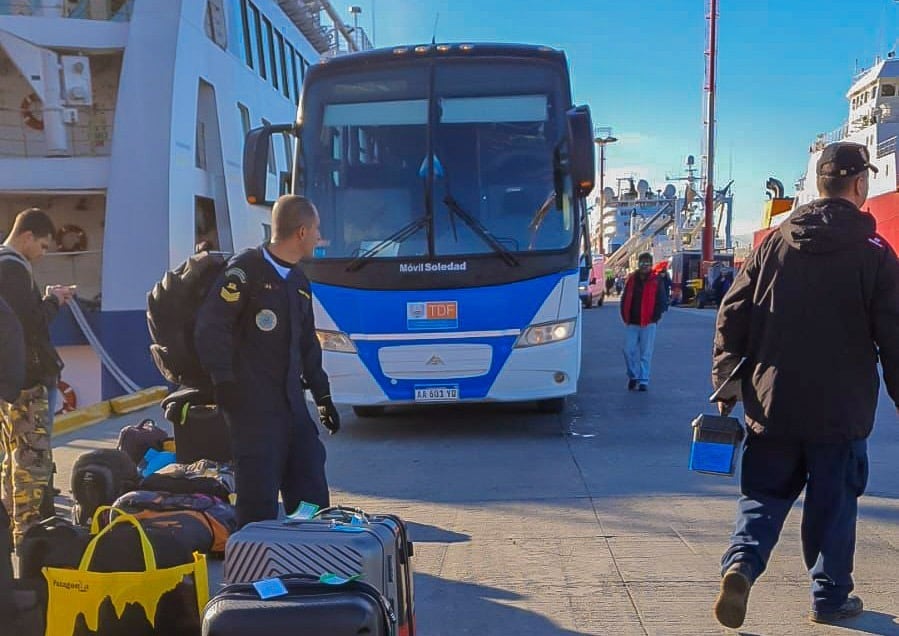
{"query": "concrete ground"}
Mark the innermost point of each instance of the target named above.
(586, 522)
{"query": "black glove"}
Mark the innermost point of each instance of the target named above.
(227, 396)
(328, 415)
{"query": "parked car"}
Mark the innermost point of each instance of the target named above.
(592, 284)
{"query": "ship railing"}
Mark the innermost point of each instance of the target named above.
(886, 147)
(114, 10)
(833, 136)
(89, 136)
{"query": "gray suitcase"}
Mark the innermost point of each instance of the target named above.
(342, 541)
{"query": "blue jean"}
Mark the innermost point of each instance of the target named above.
(774, 472)
(638, 345)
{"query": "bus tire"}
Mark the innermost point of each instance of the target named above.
(551, 405)
(602, 298)
(368, 411)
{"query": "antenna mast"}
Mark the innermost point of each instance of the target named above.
(708, 232)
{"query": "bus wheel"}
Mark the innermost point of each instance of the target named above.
(551, 405)
(368, 411)
(602, 298)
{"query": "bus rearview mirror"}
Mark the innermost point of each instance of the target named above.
(257, 156)
(581, 151)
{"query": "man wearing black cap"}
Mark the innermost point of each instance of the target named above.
(812, 310)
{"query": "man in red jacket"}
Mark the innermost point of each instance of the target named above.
(642, 305)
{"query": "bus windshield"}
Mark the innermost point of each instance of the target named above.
(492, 128)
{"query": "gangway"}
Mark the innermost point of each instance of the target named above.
(638, 241)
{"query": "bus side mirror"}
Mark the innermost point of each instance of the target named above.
(581, 151)
(257, 153)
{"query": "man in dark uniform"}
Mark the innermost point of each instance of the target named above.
(811, 311)
(255, 335)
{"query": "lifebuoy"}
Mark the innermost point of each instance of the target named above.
(69, 401)
(29, 112)
(71, 238)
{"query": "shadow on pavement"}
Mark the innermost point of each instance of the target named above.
(871, 622)
(456, 607)
(424, 533)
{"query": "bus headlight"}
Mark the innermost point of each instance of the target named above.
(335, 341)
(546, 333)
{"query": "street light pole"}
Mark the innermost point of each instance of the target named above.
(603, 136)
(356, 10)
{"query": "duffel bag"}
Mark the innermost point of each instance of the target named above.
(200, 522)
(204, 477)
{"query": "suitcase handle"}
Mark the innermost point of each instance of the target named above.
(343, 513)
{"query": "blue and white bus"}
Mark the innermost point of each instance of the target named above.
(450, 180)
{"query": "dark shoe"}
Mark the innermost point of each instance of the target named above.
(730, 608)
(849, 609)
(631, 385)
(643, 387)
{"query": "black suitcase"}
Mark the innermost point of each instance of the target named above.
(202, 435)
(309, 608)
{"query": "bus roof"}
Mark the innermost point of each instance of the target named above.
(442, 50)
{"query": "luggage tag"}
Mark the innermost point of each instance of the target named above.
(270, 588)
(329, 578)
(304, 512)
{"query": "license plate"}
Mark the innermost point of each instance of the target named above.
(436, 393)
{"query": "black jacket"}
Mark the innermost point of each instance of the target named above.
(12, 355)
(811, 309)
(21, 293)
(257, 329)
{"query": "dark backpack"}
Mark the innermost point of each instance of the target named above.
(99, 477)
(136, 439)
(172, 308)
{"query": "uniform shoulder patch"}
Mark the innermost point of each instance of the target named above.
(230, 293)
(305, 293)
(236, 272)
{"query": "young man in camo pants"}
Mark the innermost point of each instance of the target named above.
(25, 421)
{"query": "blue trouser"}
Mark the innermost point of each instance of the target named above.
(774, 472)
(638, 345)
(276, 452)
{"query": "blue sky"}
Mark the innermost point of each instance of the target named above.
(784, 68)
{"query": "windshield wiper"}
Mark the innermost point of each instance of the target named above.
(480, 230)
(539, 217)
(396, 238)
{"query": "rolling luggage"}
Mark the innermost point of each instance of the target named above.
(309, 608)
(342, 541)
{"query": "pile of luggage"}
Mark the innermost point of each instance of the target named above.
(132, 560)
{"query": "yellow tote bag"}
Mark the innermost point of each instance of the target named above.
(155, 601)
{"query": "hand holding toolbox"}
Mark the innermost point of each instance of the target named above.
(716, 444)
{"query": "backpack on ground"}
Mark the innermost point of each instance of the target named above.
(172, 308)
(99, 477)
(136, 439)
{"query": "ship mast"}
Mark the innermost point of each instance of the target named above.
(708, 232)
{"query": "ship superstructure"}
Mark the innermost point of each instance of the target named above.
(125, 120)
